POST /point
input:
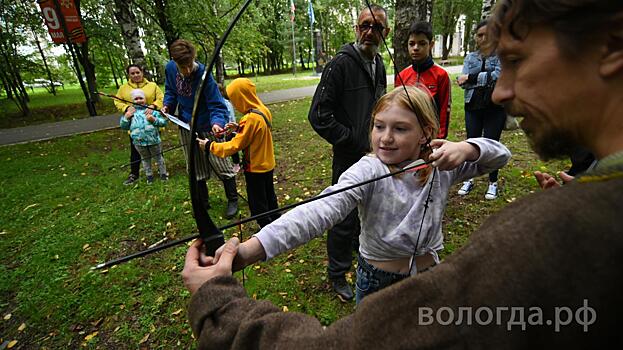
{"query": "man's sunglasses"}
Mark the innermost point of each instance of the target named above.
(375, 27)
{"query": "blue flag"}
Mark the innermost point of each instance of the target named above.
(310, 12)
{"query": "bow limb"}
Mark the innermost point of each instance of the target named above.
(210, 234)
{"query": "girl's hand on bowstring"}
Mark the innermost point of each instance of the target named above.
(448, 155)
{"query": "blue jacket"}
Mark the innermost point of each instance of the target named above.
(472, 65)
(142, 131)
(212, 109)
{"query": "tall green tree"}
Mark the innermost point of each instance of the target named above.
(12, 33)
(446, 16)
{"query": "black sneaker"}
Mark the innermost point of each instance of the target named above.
(150, 180)
(130, 180)
(343, 290)
(231, 210)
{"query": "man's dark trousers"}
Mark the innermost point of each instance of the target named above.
(343, 238)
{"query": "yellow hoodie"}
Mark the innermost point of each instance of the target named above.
(254, 136)
(153, 94)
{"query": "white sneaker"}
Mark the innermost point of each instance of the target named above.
(466, 188)
(492, 192)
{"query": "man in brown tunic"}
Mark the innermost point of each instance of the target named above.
(545, 272)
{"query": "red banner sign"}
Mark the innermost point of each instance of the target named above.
(55, 26)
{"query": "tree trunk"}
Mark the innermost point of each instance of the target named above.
(450, 43)
(45, 63)
(220, 69)
(129, 31)
(17, 95)
(112, 69)
(301, 58)
(218, 63)
(5, 85)
(487, 6)
(445, 48)
(407, 12)
(161, 73)
(123, 74)
(170, 33)
(82, 52)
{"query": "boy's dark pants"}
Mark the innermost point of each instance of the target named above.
(343, 238)
(261, 195)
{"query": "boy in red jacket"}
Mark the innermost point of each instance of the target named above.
(425, 73)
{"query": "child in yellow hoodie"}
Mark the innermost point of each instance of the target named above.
(255, 140)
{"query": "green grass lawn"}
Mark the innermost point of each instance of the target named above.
(283, 81)
(63, 209)
(69, 103)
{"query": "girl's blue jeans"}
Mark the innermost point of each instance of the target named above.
(371, 279)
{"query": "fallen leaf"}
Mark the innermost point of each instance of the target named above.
(145, 338)
(11, 344)
(7, 317)
(85, 247)
(30, 206)
(21, 327)
(177, 312)
(90, 336)
(285, 309)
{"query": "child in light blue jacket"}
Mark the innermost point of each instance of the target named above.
(145, 136)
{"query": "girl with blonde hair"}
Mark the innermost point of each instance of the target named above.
(398, 237)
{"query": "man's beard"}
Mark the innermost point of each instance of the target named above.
(372, 49)
(552, 144)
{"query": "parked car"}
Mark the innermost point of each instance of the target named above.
(44, 83)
